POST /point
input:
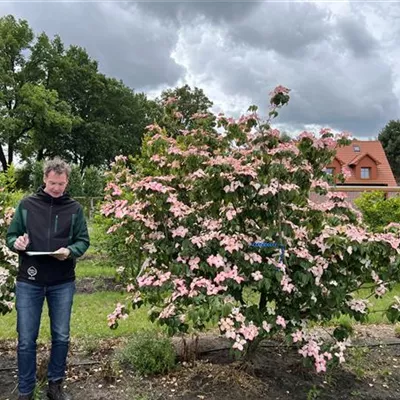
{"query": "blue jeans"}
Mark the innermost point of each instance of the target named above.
(29, 304)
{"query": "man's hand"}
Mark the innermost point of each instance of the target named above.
(22, 242)
(62, 253)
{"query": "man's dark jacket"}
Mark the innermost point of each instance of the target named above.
(50, 223)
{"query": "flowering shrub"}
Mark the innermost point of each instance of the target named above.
(8, 260)
(194, 208)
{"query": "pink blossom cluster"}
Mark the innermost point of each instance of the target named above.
(118, 313)
(279, 89)
(312, 349)
(358, 305)
(156, 279)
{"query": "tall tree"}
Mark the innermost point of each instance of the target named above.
(27, 108)
(390, 139)
(15, 38)
(54, 101)
(187, 102)
(109, 118)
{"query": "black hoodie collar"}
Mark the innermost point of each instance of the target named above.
(65, 198)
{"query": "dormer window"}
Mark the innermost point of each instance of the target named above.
(356, 148)
(365, 172)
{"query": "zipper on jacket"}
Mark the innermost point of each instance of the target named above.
(56, 224)
(49, 225)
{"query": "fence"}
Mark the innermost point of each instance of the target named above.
(355, 191)
(89, 204)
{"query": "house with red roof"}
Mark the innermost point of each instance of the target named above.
(367, 162)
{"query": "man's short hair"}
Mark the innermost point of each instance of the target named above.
(57, 165)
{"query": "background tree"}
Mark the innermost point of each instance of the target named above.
(15, 37)
(389, 136)
(93, 182)
(75, 182)
(27, 109)
(187, 103)
(54, 101)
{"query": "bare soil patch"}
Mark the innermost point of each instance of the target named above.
(93, 285)
(277, 372)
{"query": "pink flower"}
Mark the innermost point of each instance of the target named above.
(253, 258)
(156, 187)
(130, 287)
(343, 135)
(266, 326)
(180, 231)
(226, 324)
(257, 276)
(199, 174)
(228, 274)
(281, 321)
(320, 184)
(217, 261)
(230, 214)
(239, 343)
(320, 364)
(231, 244)
(168, 311)
(118, 313)
(381, 290)
(233, 186)
(194, 263)
(306, 135)
(297, 336)
(358, 305)
(337, 195)
(279, 89)
(154, 128)
(286, 285)
(249, 332)
(311, 349)
(346, 172)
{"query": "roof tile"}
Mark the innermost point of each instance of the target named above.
(375, 150)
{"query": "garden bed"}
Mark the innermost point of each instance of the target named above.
(372, 372)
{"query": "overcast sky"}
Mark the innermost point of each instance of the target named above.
(341, 59)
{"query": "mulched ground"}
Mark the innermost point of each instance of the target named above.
(372, 373)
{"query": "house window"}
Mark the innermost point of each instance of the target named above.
(365, 172)
(330, 170)
(356, 148)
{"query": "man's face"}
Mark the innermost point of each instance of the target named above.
(55, 184)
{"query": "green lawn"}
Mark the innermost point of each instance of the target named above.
(89, 319)
(92, 268)
(377, 305)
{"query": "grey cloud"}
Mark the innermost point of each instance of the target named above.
(187, 11)
(128, 44)
(331, 87)
(288, 28)
(331, 62)
(356, 37)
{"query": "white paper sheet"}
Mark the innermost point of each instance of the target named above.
(40, 253)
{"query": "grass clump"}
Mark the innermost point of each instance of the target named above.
(148, 353)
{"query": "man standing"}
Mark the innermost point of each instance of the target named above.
(48, 222)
